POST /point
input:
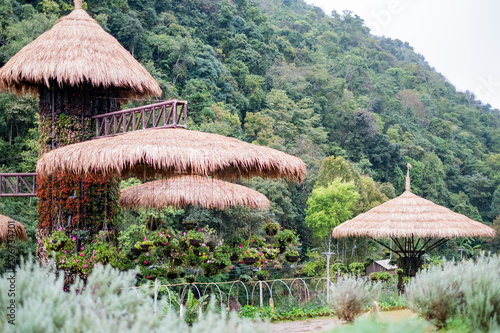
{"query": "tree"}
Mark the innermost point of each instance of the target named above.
(329, 206)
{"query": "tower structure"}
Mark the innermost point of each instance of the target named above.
(79, 71)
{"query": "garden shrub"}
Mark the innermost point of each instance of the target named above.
(380, 276)
(349, 296)
(481, 294)
(436, 293)
(106, 304)
(470, 290)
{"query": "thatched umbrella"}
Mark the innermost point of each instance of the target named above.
(18, 229)
(415, 225)
(190, 191)
(77, 51)
(170, 152)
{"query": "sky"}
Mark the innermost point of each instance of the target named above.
(459, 38)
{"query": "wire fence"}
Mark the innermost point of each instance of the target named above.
(232, 295)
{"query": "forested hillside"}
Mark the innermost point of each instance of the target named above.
(284, 74)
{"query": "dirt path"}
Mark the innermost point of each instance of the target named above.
(310, 325)
(327, 323)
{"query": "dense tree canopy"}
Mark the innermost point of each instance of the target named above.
(284, 74)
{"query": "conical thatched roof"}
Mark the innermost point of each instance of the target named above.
(190, 191)
(170, 152)
(18, 229)
(411, 216)
(77, 50)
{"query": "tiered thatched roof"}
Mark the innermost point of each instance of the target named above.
(191, 191)
(75, 51)
(170, 152)
(18, 229)
(411, 216)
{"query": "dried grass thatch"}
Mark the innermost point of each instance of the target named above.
(76, 51)
(411, 216)
(18, 229)
(170, 152)
(191, 191)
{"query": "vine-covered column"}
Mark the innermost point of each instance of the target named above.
(78, 206)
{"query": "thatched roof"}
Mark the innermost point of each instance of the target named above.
(191, 191)
(411, 216)
(170, 152)
(77, 50)
(18, 228)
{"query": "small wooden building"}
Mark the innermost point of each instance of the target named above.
(381, 266)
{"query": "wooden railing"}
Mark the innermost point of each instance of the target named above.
(167, 114)
(18, 184)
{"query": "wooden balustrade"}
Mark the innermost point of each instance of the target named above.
(167, 114)
(18, 184)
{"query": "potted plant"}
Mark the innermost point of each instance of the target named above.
(245, 278)
(270, 253)
(221, 257)
(56, 241)
(190, 225)
(195, 238)
(250, 256)
(209, 270)
(271, 228)
(285, 237)
(190, 278)
(144, 246)
(292, 255)
(261, 274)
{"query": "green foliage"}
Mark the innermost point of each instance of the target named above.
(329, 206)
(380, 276)
(107, 291)
(285, 75)
(470, 290)
(357, 268)
(290, 313)
(349, 296)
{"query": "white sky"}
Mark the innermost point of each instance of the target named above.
(459, 38)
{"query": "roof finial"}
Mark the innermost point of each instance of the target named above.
(408, 177)
(78, 4)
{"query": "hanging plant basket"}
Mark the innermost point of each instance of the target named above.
(60, 245)
(292, 258)
(182, 274)
(282, 249)
(195, 242)
(190, 278)
(190, 225)
(150, 277)
(271, 232)
(234, 258)
(145, 247)
(249, 260)
(172, 275)
(268, 256)
(135, 252)
(261, 277)
(177, 262)
(220, 266)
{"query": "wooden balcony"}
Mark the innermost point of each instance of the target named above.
(167, 114)
(18, 184)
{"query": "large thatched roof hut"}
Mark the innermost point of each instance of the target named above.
(415, 226)
(411, 216)
(170, 152)
(191, 191)
(74, 52)
(19, 230)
